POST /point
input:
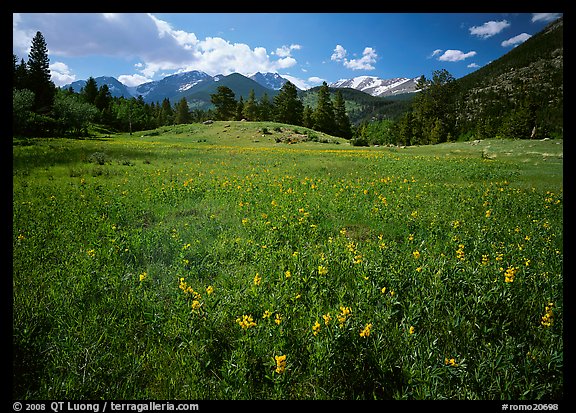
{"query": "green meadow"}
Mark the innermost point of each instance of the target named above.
(246, 260)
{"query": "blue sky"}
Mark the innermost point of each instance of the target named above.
(306, 48)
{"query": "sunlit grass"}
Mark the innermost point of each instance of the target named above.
(194, 265)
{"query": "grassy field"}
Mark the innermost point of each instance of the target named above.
(245, 260)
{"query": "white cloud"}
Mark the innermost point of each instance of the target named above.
(516, 40)
(489, 29)
(154, 44)
(473, 65)
(545, 17)
(455, 55)
(286, 51)
(316, 80)
(133, 80)
(339, 53)
(435, 53)
(60, 74)
(366, 62)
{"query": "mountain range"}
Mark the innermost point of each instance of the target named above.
(379, 87)
(197, 86)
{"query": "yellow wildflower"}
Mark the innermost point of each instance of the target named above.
(450, 362)
(246, 321)
(365, 332)
(280, 364)
(316, 328)
(143, 276)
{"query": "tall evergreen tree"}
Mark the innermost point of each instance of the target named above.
(324, 112)
(39, 78)
(166, 116)
(250, 111)
(239, 109)
(343, 127)
(90, 90)
(265, 108)
(307, 117)
(288, 108)
(20, 74)
(224, 101)
(182, 114)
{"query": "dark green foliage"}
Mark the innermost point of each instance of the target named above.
(323, 116)
(288, 108)
(225, 103)
(38, 77)
(182, 114)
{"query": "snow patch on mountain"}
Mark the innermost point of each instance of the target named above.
(376, 86)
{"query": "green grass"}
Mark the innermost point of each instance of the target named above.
(136, 258)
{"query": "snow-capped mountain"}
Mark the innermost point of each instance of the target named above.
(376, 86)
(185, 84)
(171, 86)
(269, 80)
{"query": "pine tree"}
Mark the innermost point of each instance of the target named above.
(224, 102)
(288, 108)
(265, 108)
(39, 78)
(250, 111)
(182, 112)
(20, 74)
(166, 116)
(343, 127)
(239, 109)
(90, 90)
(324, 114)
(307, 117)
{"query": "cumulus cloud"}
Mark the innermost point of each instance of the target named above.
(489, 29)
(61, 74)
(455, 55)
(339, 53)
(286, 51)
(154, 43)
(366, 62)
(516, 40)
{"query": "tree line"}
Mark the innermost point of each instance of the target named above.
(441, 110)
(42, 109)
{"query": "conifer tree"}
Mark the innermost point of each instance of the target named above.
(343, 127)
(288, 108)
(182, 112)
(90, 90)
(224, 101)
(250, 110)
(39, 78)
(265, 108)
(324, 113)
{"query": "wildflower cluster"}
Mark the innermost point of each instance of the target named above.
(509, 274)
(365, 332)
(345, 312)
(548, 318)
(280, 364)
(246, 321)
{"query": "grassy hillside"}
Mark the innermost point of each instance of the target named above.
(219, 261)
